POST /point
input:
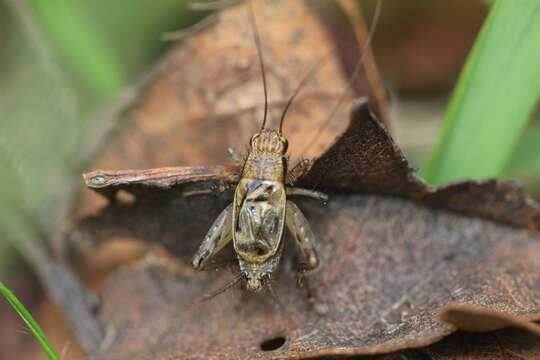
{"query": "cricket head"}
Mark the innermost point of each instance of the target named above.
(254, 281)
(269, 141)
(257, 276)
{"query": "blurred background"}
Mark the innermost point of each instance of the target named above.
(65, 65)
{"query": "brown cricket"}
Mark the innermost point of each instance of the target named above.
(255, 221)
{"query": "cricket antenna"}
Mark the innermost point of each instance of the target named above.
(257, 40)
(301, 84)
(273, 295)
(354, 75)
(231, 283)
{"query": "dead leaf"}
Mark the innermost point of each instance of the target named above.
(508, 344)
(389, 265)
(478, 320)
(433, 257)
(365, 159)
(388, 268)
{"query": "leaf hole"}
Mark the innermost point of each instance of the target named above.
(273, 343)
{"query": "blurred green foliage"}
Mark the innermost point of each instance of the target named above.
(61, 62)
(106, 43)
(494, 99)
(525, 162)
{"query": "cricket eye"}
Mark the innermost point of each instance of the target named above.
(285, 144)
(253, 138)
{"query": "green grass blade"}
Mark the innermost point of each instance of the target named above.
(494, 98)
(30, 322)
(525, 161)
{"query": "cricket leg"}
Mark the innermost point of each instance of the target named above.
(294, 174)
(301, 168)
(301, 231)
(217, 188)
(293, 191)
(219, 235)
(237, 158)
(236, 155)
(227, 264)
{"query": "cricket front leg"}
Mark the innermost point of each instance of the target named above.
(219, 235)
(236, 155)
(220, 187)
(297, 171)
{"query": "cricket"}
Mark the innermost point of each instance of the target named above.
(256, 219)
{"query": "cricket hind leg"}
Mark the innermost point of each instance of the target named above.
(219, 235)
(301, 230)
(302, 233)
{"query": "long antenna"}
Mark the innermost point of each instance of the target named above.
(229, 285)
(273, 295)
(354, 75)
(314, 69)
(257, 40)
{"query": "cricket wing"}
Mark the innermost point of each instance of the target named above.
(258, 219)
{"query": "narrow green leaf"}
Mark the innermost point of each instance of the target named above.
(494, 98)
(525, 161)
(30, 322)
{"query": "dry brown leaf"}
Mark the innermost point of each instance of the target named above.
(389, 265)
(508, 344)
(473, 319)
(365, 159)
(389, 268)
